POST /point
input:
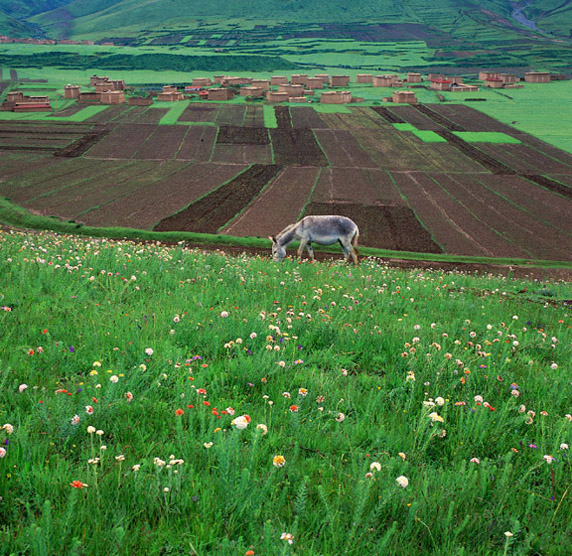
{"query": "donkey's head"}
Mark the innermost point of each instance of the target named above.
(278, 251)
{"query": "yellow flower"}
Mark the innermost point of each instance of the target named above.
(279, 461)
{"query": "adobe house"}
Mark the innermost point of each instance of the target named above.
(537, 77)
(117, 84)
(384, 80)
(463, 88)
(218, 79)
(340, 80)
(170, 93)
(484, 75)
(141, 101)
(277, 96)
(202, 82)
(298, 99)
(32, 107)
(72, 91)
(257, 92)
(494, 83)
(336, 97)
(314, 83)
(112, 97)
(262, 83)
(299, 79)
(325, 77)
(295, 90)
(95, 79)
(219, 94)
(508, 77)
(89, 97)
(414, 78)
(364, 78)
(278, 80)
(435, 76)
(16, 101)
(404, 96)
(440, 84)
(232, 80)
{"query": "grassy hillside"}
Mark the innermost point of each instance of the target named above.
(160, 400)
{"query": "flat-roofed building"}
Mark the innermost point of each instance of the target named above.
(537, 77)
(325, 77)
(298, 79)
(414, 78)
(483, 75)
(112, 97)
(340, 80)
(250, 91)
(386, 80)
(364, 78)
(277, 96)
(494, 83)
(262, 83)
(296, 90)
(404, 97)
(314, 83)
(441, 84)
(278, 80)
(202, 82)
(336, 97)
(219, 93)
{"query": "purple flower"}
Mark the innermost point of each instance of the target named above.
(72, 350)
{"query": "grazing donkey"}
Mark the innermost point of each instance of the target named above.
(323, 230)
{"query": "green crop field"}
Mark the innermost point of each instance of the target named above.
(156, 399)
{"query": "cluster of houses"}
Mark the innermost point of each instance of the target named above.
(5, 39)
(298, 88)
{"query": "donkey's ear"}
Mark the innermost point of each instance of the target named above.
(272, 239)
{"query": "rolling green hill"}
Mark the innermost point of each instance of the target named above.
(98, 19)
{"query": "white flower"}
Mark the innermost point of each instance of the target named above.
(75, 420)
(230, 411)
(375, 466)
(478, 399)
(22, 387)
(99, 432)
(114, 379)
(2, 452)
(287, 537)
(475, 460)
(554, 366)
(508, 534)
(149, 351)
(439, 401)
(402, 481)
(402, 455)
(436, 417)
(263, 428)
(241, 422)
(120, 457)
(564, 446)
(224, 314)
(90, 429)
(136, 467)
(207, 445)
(253, 335)
(548, 459)
(340, 417)
(8, 428)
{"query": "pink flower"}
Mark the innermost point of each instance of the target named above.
(89, 409)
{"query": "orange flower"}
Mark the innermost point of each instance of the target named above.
(249, 553)
(179, 412)
(78, 484)
(294, 408)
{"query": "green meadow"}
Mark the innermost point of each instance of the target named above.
(161, 400)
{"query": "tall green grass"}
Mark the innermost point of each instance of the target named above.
(454, 384)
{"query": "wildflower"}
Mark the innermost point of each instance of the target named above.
(263, 428)
(515, 393)
(2, 452)
(22, 387)
(294, 408)
(78, 484)
(128, 396)
(286, 394)
(475, 460)
(224, 314)
(207, 445)
(508, 534)
(241, 422)
(554, 366)
(230, 411)
(568, 417)
(302, 392)
(120, 457)
(75, 420)
(201, 391)
(166, 489)
(478, 399)
(402, 455)
(278, 461)
(114, 379)
(136, 467)
(548, 459)
(436, 417)
(253, 335)
(159, 462)
(281, 363)
(369, 475)
(340, 417)
(90, 429)
(402, 481)
(99, 432)
(8, 428)
(89, 409)
(439, 401)
(249, 553)
(287, 537)
(564, 446)
(375, 466)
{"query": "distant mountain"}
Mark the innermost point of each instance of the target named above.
(98, 19)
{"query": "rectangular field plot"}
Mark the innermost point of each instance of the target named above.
(358, 186)
(109, 114)
(470, 119)
(254, 116)
(213, 211)
(362, 117)
(296, 147)
(16, 164)
(199, 113)
(236, 135)
(412, 116)
(305, 117)
(122, 142)
(280, 204)
(242, 154)
(384, 227)
(508, 221)
(198, 143)
(230, 114)
(342, 149)
(163, 144)
(151, 115)
(172, 186)
(402, 151)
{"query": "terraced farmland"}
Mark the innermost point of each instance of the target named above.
(426, 178)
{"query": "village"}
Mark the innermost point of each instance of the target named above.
(298, 88)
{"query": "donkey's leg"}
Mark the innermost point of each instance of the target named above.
(349, 251)
(310, 250)
(301, 248)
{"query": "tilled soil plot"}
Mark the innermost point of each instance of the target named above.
(17, 164)
(363, 117)
(470, 119)
(199, 113)
(548, 150)
(198, 143)
(162, 193)
(109, 114)
(213, 211)
(384, 227)
(412, 116)
(513, 224)
(388, 115)
(83, 144)
(163, 144)
(282, 114)
(122, 142)
(346, 185)
(452, 225)
(150, 116)
(280, 204)
(230, 114)
(551, 184)
(342, 149)
(67, 112)
(254, 116)
(305, 117)
(242, 154)
(296, 147)
(437, 117)
(243, 135)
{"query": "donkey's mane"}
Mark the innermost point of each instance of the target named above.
(287, 234)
